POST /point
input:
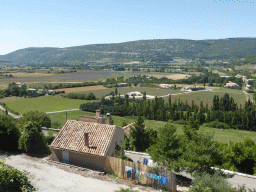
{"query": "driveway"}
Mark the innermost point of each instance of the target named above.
(50, 178)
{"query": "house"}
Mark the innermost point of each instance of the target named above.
(248, 87)
(166, 86)
(127, 128)
(51, 91)
(122, 85)
(31, 90)
(86, 143)
(20, 84)
(135, 93)
(42, 91)
(231, 84)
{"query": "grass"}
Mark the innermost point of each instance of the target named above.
(124, 90)
(207, 96)
(45, 104)
(223, 136)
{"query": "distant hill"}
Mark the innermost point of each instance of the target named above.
(155, 50)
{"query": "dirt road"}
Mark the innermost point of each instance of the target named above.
(49, 178)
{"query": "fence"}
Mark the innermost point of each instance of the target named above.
(117, 166)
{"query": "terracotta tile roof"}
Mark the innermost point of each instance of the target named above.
(71, 137)
(128, 127)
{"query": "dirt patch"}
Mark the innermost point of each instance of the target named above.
(80, 89)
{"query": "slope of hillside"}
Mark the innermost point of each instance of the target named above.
(138, 50)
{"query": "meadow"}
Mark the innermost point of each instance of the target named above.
(45, 104)
(207, 96)
(125, 90)
(224, 136)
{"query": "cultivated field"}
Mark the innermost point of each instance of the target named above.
(82, 89)
(59, 119)
(80, 76)
(29, 74)
(45, 104)
(10, 99)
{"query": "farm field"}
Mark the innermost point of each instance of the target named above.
(207, 96)
(124, 90)
(80, 76)
(10, 99)
(81, 89)
(45, 104)
(59, 119)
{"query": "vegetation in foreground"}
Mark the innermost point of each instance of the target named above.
(14, 180)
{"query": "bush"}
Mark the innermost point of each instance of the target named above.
(9, 133)
(33, 140)
(210, 183)
(49, 139)
(217, 124)
(14, 180)
(41, 118)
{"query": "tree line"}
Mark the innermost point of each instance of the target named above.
(224, 111)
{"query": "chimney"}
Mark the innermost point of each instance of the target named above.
(86, 139)
(98, 114)
(108, 119)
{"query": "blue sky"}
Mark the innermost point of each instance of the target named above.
(65, 23)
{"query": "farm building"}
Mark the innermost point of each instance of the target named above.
(167, 86)
(248, 87)
(42, 91)
(32, 90)
(231, 84)
(51, 91)
(19, 84)
(122, 85)
(86, 144)
(110, 96)
(135, 93)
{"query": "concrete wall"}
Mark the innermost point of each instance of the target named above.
(117, 137)
(84, 160)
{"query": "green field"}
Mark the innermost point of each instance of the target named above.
(207, 97)
(45, 104)
(125, 90)
(224, 136)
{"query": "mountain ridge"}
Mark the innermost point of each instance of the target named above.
(137, 50)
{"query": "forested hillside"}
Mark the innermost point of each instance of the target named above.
(143, 50)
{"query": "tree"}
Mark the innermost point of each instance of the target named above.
(166, 150)
(200, 152)
(14, 180)
(33, 140)
(137, 135)
(9, 133)
(41, 118)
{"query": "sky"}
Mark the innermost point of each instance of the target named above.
(66, 23)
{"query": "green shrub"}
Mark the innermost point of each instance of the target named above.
(126, 190)
(204, 182)
(217, 124)
(14, 180)
(33, 140)
(9, 133)
(49, 139)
